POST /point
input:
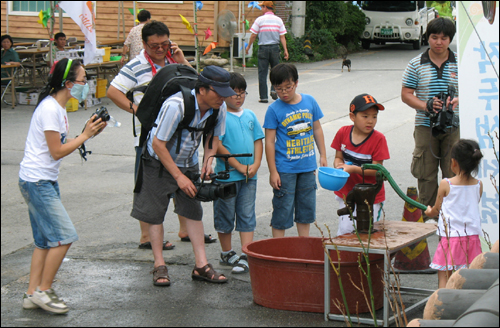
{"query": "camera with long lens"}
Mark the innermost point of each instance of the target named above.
(207, 192)
(101, 113)
(445, 117)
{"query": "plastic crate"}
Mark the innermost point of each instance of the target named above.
(100, 91)
(107, 54)
(72, 105)
(102, 82)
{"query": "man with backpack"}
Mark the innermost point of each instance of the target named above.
(167, 160)
(158, 52)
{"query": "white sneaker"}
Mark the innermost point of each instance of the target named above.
(27, 302)
(49, 301)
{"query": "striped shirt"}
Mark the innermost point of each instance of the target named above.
(135, 73)
(269, 27)
(428, 80)
(170, 116)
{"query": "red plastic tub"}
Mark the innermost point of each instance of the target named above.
(288, 274)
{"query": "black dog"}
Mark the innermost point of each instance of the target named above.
(346, 62)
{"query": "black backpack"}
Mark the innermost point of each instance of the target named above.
(167, 82)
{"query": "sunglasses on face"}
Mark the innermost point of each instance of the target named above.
(165, 45)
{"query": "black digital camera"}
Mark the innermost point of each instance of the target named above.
(207, 192)
(445, 117)
(101, 113)
(212, 191)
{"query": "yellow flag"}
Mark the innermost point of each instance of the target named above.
(40, 15)
(188, 25)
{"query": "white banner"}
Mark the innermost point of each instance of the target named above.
(82, 13)
(478, 88)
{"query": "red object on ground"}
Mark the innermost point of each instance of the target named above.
(414, 258)
(288, 274)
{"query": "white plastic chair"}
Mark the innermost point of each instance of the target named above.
(70, 41)
(42, 43)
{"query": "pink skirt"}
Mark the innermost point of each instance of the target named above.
(456, 253)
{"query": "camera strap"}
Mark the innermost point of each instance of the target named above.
(83, 152)
(447, 150)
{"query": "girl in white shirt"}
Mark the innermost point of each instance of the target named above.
(47, 143)
(457, 204)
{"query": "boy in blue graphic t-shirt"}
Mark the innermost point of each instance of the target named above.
(292, 128)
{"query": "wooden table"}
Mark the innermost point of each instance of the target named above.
(17, 44)
(10, 69)
(103, 67)
(398, 235)
(108, 42)
(33, 53)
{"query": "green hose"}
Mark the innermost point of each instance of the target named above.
(387, 176)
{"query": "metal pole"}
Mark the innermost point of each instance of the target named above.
(244, 36)
(231, 49)
(51, 32)
(135, 12)
(123, 19)
(118, 22)
(7, 16)
(239, 15)
(196, 38)
(60, 20)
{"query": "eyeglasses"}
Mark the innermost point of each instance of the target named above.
(84, 81)
(165, 45)
(287, 89)
(240, 95)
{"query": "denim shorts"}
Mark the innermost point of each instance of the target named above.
(240, 208)
(296, 195)
(50, 222)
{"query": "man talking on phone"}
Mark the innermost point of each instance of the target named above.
(158, 52)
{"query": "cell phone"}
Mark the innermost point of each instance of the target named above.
(171, 50)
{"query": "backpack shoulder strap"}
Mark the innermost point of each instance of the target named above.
(210, 126)
(189, 112)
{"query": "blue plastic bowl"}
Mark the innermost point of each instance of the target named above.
(331, 178)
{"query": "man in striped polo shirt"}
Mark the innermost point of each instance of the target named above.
(158, 51)
(425, 77)
(271, 31)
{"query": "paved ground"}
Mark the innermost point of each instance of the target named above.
(105, 279)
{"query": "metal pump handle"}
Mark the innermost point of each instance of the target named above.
(387, 176)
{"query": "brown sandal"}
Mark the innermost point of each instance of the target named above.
(208, 275)
(160, 272)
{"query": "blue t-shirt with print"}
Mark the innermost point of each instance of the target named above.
(241, 134)
(294, 147)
